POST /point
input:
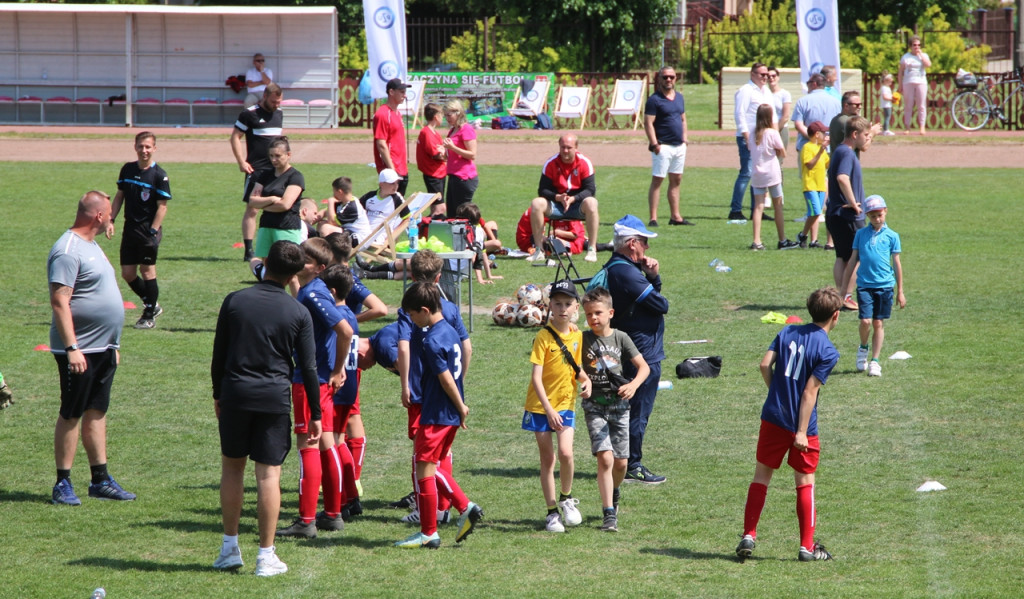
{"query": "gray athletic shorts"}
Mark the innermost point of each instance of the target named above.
(608, 427)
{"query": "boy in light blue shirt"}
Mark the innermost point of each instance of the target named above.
(877, 248)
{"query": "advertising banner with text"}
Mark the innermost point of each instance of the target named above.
(483, 95)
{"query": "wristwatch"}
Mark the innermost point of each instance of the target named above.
(153, 231)
(71, 348)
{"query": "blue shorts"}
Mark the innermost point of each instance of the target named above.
(875, 304)
(815, 200)
(538, 423)
(575, 211)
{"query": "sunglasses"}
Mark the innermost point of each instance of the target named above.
(854, 104)
(259, 60)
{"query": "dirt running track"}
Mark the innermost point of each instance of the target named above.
(946, 149)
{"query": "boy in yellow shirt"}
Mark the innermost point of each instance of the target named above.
(814, 159)
(551, 401)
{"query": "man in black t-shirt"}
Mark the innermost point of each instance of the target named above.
(143, 191)
(258, 125)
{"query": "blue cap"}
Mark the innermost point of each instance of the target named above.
(631, 226)
(873, 203)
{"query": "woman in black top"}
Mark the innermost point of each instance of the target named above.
(277, 193)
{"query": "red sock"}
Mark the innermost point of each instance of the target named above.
(756, 495)
(357, 447)
(426, 500)
(444, 504)
(806, 515)
(449, 489)
(309, 482)
(330, 463)
(348, 475)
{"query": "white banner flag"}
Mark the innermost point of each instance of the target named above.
(817, 25)
(385, 42)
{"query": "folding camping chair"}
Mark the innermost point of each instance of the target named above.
(530, 104)
(573, 103)
(394, 226)
(628, 99)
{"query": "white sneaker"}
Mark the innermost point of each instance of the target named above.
(888, 133)
(554, 523)
(571, 512)
(591, 255)
(232, 560)
(862, 359)
(536, 256)
(270, 566)
(874, 368)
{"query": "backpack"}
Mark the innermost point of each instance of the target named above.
(601, 278)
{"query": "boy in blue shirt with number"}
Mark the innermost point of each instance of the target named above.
(877, 248)
(795, 367)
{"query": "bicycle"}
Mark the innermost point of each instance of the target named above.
(974, 106)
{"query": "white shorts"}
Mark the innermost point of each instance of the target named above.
(671, 159)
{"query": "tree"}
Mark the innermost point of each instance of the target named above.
(764, 34)
(880, 45)
(905, 13)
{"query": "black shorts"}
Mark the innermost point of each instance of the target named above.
(138, 246)
(262, 437)
(842, 231)
(89, 390)
(459, 192)
(434, 185)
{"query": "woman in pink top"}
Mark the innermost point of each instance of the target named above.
(461, 147)
(766, 150)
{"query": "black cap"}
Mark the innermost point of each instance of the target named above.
(565, 287)
(396, 83)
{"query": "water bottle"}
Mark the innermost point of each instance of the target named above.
(663, 385)
(414, 233)
(721, 267)
(99, 593)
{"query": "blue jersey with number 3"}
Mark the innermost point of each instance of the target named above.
(800, 352)
(440, 350)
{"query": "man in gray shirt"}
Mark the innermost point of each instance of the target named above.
(85, 336)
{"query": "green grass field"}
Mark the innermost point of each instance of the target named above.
(952, 413)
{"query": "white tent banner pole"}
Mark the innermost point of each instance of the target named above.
(385, 42)
(817, 26)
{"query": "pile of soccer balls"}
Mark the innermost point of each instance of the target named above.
(530, 311)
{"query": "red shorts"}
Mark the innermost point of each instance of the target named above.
(433, 442)
(774, 441)
(300, 407)
(342, 413)
(414, 419)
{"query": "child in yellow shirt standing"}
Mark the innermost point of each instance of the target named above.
(551, 402)
(814, 159)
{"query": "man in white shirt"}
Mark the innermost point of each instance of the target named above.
(257, 78)
(748, 98)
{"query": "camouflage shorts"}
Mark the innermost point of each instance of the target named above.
(608, 427)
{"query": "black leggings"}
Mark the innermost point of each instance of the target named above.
(459, 192)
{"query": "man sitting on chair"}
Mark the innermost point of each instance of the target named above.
(566, 192)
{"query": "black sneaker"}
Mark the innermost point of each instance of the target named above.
(352, 508)
(816, 553)
(325, 522)
(306, 530)
(736, 216)
(146, 321)
(641, 474)
(652, 223)
(786, 244)
(814, 244)
(746, 547)
(801, 238)
(610, 523)
(765, 217)
(405, 503)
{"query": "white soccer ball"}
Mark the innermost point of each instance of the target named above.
(529, 315)
(529, 294)
(504, 314)
(545, 294)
